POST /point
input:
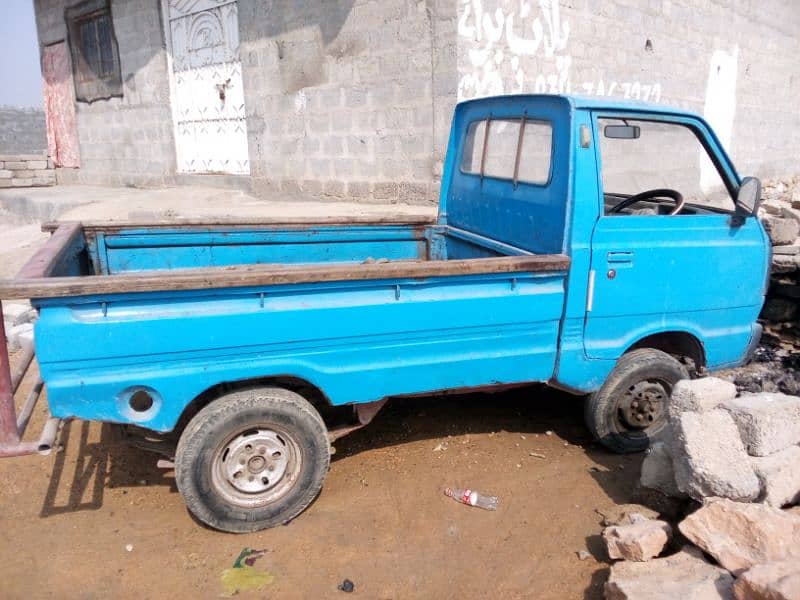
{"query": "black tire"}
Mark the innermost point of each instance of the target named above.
(643, 378)
(285, 466)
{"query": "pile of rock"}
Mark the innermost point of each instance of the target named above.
(780, 214)
(738, 458)
(756, 548)
(744, 448)
(18, 318)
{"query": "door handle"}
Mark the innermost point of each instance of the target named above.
(620, 257)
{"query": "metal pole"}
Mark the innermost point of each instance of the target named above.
(9, 435)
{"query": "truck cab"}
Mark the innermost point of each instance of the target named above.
(666, 253)
(603, 248)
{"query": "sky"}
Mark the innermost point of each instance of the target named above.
(20, 73)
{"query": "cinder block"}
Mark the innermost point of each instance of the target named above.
(37, 164)
(700, 395)
(779, 475)
(767, 422)
(22, 173)
(709, 458)
(16, 165)
(6, 174)
(15, 182)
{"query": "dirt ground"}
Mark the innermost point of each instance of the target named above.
(381, 521)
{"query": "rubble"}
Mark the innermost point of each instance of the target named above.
(781, 230)
(767, 422)
(639, 540)
(778, 580)
(683, 575)
(741, 535)
(779, 475)
(709, 458)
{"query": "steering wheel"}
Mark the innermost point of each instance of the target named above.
(674, 195)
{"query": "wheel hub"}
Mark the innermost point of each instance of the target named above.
(254, 461)
(643, 404)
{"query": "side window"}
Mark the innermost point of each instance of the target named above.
(93, 45)
(652, 155)
(518, 150)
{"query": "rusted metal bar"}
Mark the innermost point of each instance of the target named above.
(519, 148)
(9, 435)
(22, 368)
(43, 445)
(485, 143)
(27, 408)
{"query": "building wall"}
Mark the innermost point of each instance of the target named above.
(22, 130)
(353, 98)
(128, 140)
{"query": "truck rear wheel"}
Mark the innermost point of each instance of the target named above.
(252, 459)
(629, 411)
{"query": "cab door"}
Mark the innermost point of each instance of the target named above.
(670, 262)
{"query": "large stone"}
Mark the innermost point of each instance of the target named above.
(741, 535)
(783, 263)
(685, 575)
(640, 540)
(781, 230)
(771, 581)
(658, 473)
(767, 422)
(709, 458)
(700, 395)
(779, 475)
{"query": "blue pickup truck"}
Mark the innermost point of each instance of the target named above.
(603, 248)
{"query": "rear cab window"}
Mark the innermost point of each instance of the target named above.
(516, 150)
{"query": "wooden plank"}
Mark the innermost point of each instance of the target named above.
(217, 222)
(270, 274)
(46, 258)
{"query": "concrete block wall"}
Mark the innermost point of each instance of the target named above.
(733, 62)
(26, 170)
(22, 130)
(354, 98)
(340, 100)
(128, 140)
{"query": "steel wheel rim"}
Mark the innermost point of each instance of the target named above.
(643, 405)
(256, 466)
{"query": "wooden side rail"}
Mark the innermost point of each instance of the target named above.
(270, 274)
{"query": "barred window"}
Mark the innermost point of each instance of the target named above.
(95, 55)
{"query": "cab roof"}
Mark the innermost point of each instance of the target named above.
(587, 102)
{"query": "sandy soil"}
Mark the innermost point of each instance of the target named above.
(381, 520)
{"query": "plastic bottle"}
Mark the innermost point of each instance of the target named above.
(472, 498)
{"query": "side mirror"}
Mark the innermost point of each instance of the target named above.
(748, 198)
(622, 132)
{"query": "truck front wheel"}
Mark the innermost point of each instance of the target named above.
(629, 411)
(252, 459)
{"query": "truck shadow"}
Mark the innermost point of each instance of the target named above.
(528, 410)
(87, 464)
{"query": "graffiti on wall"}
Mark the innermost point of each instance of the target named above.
(523, 46)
